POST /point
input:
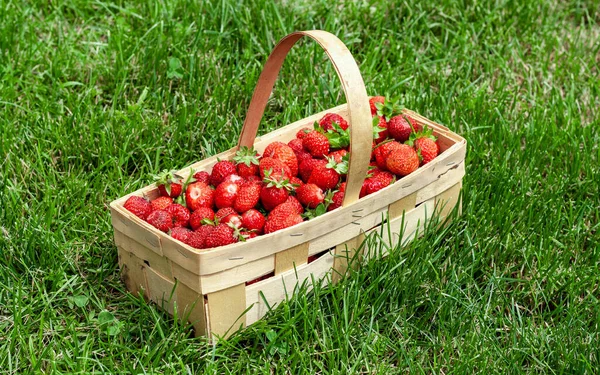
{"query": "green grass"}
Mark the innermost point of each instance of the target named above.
(93, 101)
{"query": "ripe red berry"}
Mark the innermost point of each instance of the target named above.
(180, 233)
(310, 195)
(203, 213)
(326, 123)
(221, 170)
(161, 220)
(181, 215)
(139, 206)
(202, 176)
(403, 161)
(316, 144)
(253, 220)
(198, 194)
(161, 203)
(399, 128)
(373, 101)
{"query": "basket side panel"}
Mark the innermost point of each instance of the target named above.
(159, 263)
(293, 257)
(262, 296)
(160, 290)
(226, 311)
(133, 274)
(190, 307)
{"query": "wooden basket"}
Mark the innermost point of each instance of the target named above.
(208, 287)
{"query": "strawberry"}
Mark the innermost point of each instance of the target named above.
(248, 234)
(202, 176)
(203, 213)
(235, 179)
(180, 233)
(403, 161)
(338, 198)
(286, 155)
(205, 230)
(296, 203)
(379, 179)
(226, 193)
(168, 184)
(220, 214)
(253, 220)
(221, 235)
(303, 132)
(296, 182)
(425, 144)
(254, 179)
(307, 166)
(382, 151)
(338, 155)
(247, 197)
(197, 239)
(310, 195)
(301, 156)
(399, 128)
(233, 219)
(326, 123)
(327, 177)
(161, 203)
(296, 145)
(222, 169)
(380, 129)
(275, 192)
(181, 215)
(198, 194)
(246, 160)
(273, 165)
(271, 147)
(139, 206)
(316, 144)
(373, 103)
(283, 216)
(161, 220)
(427, 148)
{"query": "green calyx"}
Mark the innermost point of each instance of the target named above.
(376, 128)
(246, 155)
(425, 132)
(389, 108)
(340, 168)
(279, 183)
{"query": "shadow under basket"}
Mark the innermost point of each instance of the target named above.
(210, 287)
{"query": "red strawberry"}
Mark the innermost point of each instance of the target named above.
(181, 215)
(338, 155)
(233, 219)
(180, 233)
(425, 144)
(222, 169)
(382, 151)
(286, 155)
(247, 197)
(246, 160)
(373, 101)
(428, 148)
(248, 234)
(161, 203)
(139, 206)
(378, 180)
(220, 214)
(403, 161)
(303, 132)
(226, 193)
(203, 213)
(307, 166)
(381, 128)
(338, 198)
(275, 166)
(296, 203)
(271, 147)
(197, 239)
(301, 156)
(326, 123)
(205, 230)
(275, 192)
(296, 182)
(327, 177)
(316, 144)
(253, 220)
(168, 184)
(254, 179)
(399, 128)
(198, 194)
(202, 176)
(221, 235)
(161, 220)
(296, 145)
(235, 179)
(310, 195)
(283, 216)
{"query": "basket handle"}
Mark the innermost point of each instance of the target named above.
(361, 131)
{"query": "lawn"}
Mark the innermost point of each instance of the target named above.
(95, 97)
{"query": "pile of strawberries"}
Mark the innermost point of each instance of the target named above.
(259, 194)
